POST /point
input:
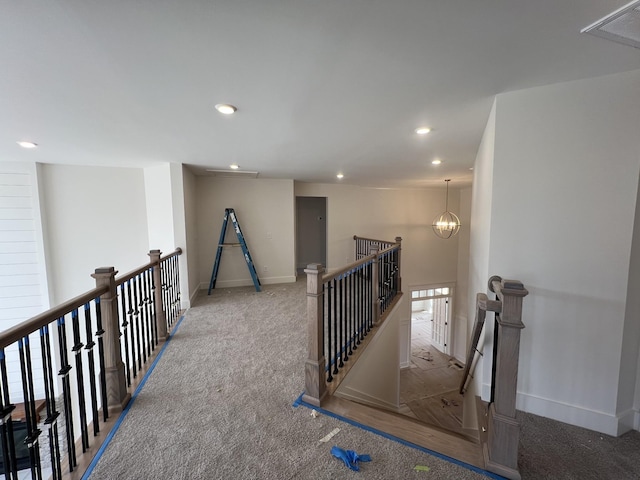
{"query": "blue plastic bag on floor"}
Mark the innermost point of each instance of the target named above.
(349, 457)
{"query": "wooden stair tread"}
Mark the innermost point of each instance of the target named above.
(408, 429)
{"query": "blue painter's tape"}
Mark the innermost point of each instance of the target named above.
(2, 354)
(113, 431)
(299, 402)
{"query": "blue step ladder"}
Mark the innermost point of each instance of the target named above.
(230, 213)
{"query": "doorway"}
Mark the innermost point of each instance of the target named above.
(431, 316)
(311, 231)
(429, 387)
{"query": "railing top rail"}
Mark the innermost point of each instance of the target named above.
(133, 273)
(15, 333)
(177, 251)
(336, 273)
(356, 237)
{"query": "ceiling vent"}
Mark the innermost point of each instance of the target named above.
(231, 173)
(621, 26)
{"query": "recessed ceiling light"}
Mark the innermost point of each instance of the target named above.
(226, 108)
(423, 130)
(234, 166)
(340, 176)
(25, 144)
(436, 162)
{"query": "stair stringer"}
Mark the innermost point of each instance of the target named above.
(374, 379)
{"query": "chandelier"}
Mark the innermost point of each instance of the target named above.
(447, 224)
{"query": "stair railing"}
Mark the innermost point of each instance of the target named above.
(503, 430)
(65, 366)
(343, 307)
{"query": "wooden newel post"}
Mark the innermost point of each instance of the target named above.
(375, 278)
(117, 394)
(161, 318)
(501, 450)
(399, 242)
(314, 368)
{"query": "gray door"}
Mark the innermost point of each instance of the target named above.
(311, 231)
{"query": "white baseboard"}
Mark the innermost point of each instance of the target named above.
(361, 397)
(609, 424)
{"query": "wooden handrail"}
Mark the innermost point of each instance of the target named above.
(15, 333)
(336, 273)
(133, 273)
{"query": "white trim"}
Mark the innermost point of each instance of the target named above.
(603, 422)
(361, 397)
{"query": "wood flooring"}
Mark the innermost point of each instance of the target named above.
(430, 413)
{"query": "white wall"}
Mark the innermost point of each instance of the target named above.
(191, 232)
(23, 280)
(157, 189)
(459, 324)
(375, 378)
(479, 239)
(95, 217)
(562, 204)
(265, 211)
(385, 214)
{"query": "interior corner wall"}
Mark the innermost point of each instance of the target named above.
(179, 229)
(157, 182)
(191, 232)
(265, 211)
(565, 180)
(479, 240)
(628, 406)
(459, 334)
(94, 217)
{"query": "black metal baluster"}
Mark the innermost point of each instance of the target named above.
(6, 425)
(125, 324)
(358, 305)
(165, 293)
(369, 319)
(140, 316)
(329, 311)
(345, 316)
(152, 279)
(31, 440)
(176, 287)
(103, 373)
(336, 348)
(92, 369)
(144, 301)
(65, 369)
(136, 321)
(343, 352)
(77, 349)
(350, 311)
(153, 328)
(50, 400)
(354, 309)
(131, 328)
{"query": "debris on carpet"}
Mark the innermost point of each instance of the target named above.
(349, 457)
(421, 468)
(329, 436)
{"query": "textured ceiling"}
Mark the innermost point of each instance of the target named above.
(320, 86)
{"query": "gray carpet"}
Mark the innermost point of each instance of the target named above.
(219, 406)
